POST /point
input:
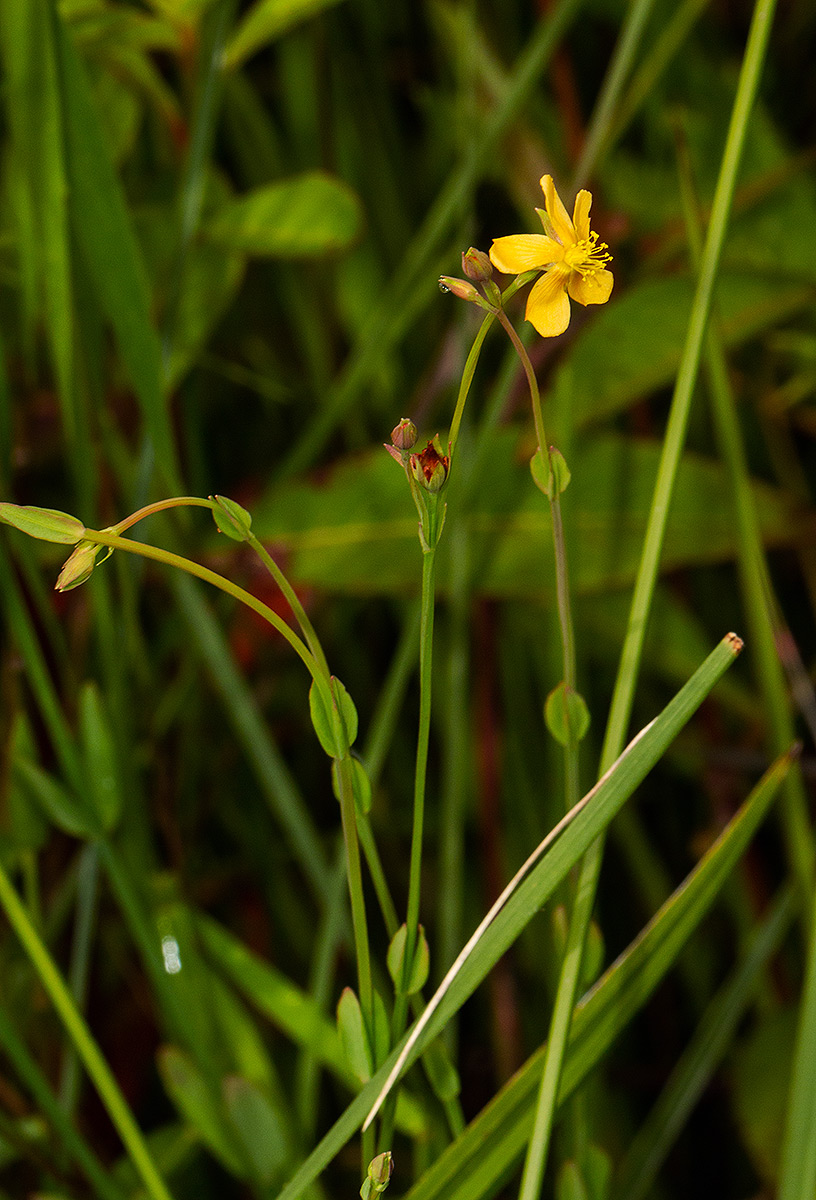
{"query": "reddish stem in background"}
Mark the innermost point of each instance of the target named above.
(503, 997)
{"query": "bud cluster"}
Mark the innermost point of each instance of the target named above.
(478, 268)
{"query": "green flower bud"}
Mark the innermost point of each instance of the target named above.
(78, 566)
(460, 288)
(380, 1170)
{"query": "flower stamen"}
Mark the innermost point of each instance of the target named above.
(588, 256)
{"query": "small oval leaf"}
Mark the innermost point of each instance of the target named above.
(231, 519)
(566, 714)
(408, 980)
(353, 1035)
(46, 524)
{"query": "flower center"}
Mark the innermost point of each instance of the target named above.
(588, 256)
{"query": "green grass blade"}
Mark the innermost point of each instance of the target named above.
(35, 113)
(539, 878)
(797, 1179)
(87, 1047)
(105, 236)
(288, 1007)
(273, 776)
(38, 1086)
(687, 378)
(713, 1035)
(494, 1141)
(758, 598)
(37, 674)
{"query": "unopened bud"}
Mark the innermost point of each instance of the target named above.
(476, 265)
(459, 288)
(377, 1176)
(404, 435)
(430, 466)
(78, 566)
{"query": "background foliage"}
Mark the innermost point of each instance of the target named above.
(221, 227)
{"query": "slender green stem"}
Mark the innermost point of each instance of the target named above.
(93, 1059)
(423, 737)
(532, 382)
(467, 379)
(647, 573)
(536, 1159)
(359, 922)
(103, 538)
(598, 135)
(754, 577)
(292, 600)
(158, 506)
(355, 883)
(40, 1090)
(401, 1000)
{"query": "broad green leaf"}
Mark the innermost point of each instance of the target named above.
(356, 531)
(55, 801)
(761, 1076)
(45, 524)
(290, 1010)
(258, 1127)
(632, 345)
(288, 1007)
(103, 230)
(100, 757)
(309, 215)
(189, 1092)
(267, 20)
(541, 879)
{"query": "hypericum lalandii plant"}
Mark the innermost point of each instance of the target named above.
(574, 262)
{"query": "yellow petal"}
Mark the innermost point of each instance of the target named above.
(524, 252)
(580, 216)
(591, 289)
(547, 305)
(561, 223)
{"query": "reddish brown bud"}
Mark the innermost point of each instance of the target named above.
(476, 265)
(430, 467)
(404, 435)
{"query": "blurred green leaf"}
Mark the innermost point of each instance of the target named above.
(267, 20)
(104, 232)
(761, 1072)
(100, 757)
(356, 529)
(259, 1129)
(193, 1099)
(55, 801)
(632, 346)
(310, 215)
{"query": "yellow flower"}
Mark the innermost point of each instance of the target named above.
(574, 259)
